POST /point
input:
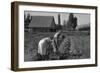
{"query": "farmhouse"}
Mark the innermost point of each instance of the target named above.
(42, 24)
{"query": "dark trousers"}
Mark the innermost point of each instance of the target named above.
(42, 57)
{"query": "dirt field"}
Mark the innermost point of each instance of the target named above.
(80, 38)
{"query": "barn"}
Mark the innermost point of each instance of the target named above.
(42, 24)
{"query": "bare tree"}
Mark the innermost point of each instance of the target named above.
(27, 19)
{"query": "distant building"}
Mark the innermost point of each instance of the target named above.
(43, 24)
(84, 27)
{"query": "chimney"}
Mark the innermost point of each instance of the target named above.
(59, 23)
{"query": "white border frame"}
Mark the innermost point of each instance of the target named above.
(34, 64)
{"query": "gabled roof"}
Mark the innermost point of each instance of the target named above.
(41, 21)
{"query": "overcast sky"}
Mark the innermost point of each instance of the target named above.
(82, 18)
